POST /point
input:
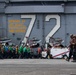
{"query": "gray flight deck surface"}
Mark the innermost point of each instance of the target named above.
(37, 67)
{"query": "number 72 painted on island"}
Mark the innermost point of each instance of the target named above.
(47, 18)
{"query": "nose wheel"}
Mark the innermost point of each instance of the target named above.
(65, 57)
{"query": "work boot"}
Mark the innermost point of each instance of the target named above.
(68, 60)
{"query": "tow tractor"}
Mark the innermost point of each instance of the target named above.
(58, 50)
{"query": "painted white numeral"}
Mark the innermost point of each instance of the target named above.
(30, 26)
(57, 26)
(47, 18)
